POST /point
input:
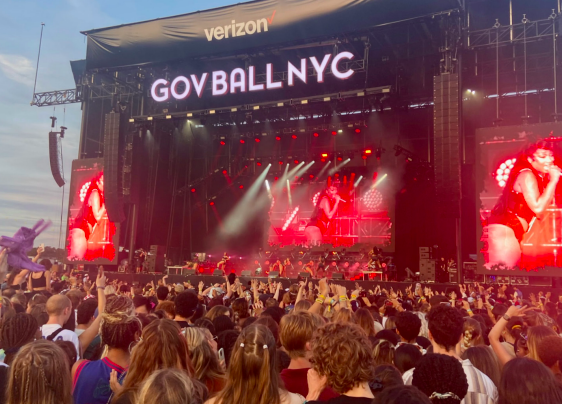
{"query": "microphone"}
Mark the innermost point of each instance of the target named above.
(343, 200)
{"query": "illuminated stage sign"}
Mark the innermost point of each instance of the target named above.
(238, 80)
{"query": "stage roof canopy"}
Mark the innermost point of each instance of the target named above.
(244, 27)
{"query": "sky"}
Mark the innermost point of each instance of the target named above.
(28, 191)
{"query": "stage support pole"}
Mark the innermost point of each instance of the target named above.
(133, 237)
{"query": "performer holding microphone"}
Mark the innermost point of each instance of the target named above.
(326, 209)
(528, 192)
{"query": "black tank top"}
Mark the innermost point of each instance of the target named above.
(39, 282)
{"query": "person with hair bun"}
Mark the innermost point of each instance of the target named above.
(119, 330)
(39, 374)
(170, 386)
(471, 335)
(342, 359)
(441, 378)
(252, 374)
(16, 332)
(162, 346)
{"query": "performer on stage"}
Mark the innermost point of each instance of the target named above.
(528, 192)
(223, 261)
(326, 209)
(89, 217)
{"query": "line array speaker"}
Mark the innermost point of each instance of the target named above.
(112, 169)
(446, 144)
(55, 158)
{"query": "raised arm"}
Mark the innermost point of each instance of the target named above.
(325, 206)
(97, 208)
(90, 333)
(527, 182)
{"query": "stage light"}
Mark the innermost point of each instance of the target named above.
(189, 114)
(131, 120)
(324, 155)
(257, 140)
(241, 187)
(368, 151)
(223, 142)
(372, 199)
(340, 158)
(334, 133)
(316, 134)
(242, 141)
(311, 176)
(84, 191)
(224, 172)
(276, 178)
(340, 130)
(296, 161)
(277, 138)
(379, 153)
(168, 116)
(280, 162)
(358, 181)
(193, 190)
(290, 219)
(258, 164)
(357, 130)
(502, 173)
(294, 136)
(212, 203)
(315, 198)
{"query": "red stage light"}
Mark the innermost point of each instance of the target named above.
(241, 187)
(337, 175)
(296, 177)
(193, 190)
(280, 162)
(368, 151)
(364, 157)
(223, 142)
(316, 134)
(224, 172)
(242, 141)
(258, 164)
(323, 160)
(372, 199)
(311, 176)
(277, 137)
(294, 136)
(276, 178)
(296, 161)
(340, 158)
(212, 203)
(257, 140)
(357, 130)
(334, 133)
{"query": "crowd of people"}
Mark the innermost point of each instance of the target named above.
(96, 342)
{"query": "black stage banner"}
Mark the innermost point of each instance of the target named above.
(246, 26)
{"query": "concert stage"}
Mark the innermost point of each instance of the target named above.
(208, 280)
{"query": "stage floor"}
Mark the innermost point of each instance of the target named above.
(208, 280)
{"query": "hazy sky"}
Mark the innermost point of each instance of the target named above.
(28, 191)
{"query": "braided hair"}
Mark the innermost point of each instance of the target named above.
(441, 378)
(15, 333)
(119, 324)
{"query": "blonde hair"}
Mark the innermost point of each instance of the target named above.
(534, 337)
(343, 316)
(296, 329)
(472, 334)
(109, 290)
(204, 360)
(40, 374)
(217, 311)
(171, 386)
(302, 306)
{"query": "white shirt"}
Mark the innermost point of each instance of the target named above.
(481, 389)
(64, 335)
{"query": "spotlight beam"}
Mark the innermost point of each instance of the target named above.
(357, 182)
(381, 179)
(338, 168)
(289, 193)
(240, 215)
(304, 169)
(324, 168)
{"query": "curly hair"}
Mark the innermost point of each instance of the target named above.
(15, 333)
(241, 310)
(408, 325)
(119, 325)
(341, 353)
(441, 375)
(549, 350)
(445, 324)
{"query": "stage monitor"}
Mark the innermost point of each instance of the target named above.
(91, 237)
(520, 201)
(274, 274)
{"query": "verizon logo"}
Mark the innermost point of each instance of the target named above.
(236, 29)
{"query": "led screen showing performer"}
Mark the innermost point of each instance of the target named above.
(91, 235)
(320, 224)
(520, 228)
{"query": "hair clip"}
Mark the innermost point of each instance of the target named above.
(242, 345)
(440, 396)
(265, 346)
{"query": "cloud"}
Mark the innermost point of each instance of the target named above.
(17, 68)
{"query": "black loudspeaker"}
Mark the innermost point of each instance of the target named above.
(274, 274)
(127, 172)
(55, 158)
(337, 275)
(155, 259)
(304, 274)
(218, 272)
(112, 178)
(188, 272)
(446, 144)
(246, 273)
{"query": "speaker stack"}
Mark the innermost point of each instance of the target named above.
(55, 158)
(156, 259)
(427, 265)
(113, 192)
